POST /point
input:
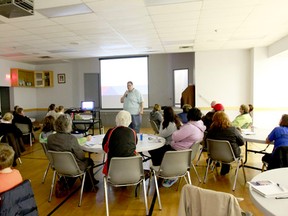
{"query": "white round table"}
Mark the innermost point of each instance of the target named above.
(271, 206)
(149, 142)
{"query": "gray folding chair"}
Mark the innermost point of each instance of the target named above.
(64, 164)
(49, 159)
(195, 149)
(25, 130)
(125, 171)
(221, 151)
(154, 127)
(174, 164)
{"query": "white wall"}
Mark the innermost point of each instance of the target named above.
(224, 76)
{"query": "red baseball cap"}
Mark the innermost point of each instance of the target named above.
(218, 107)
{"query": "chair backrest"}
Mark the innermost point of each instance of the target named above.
(175, 163)
(154, 127)
(23, 127)
(279, 158)
(195, 148)
(44, 147)
(220, 150)
(64, 163)
(194, 200)
(125, 170)
(19, 200)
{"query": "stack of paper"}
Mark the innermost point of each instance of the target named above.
(269, 189)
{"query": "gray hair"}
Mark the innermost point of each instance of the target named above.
(123, 118)
(63, 124)
(6, 156)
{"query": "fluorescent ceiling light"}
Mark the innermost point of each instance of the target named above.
(65, 10)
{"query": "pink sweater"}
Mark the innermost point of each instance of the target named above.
(188, 134)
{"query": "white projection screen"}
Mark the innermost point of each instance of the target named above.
(115, 73)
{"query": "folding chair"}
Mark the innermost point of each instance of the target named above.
(195, 149)
(154, 127)
(125, 171)
(64, 164)
(221, 151)
(174, 164)
(49, 159)
(25, 130)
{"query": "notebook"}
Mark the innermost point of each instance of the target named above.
(269, 189)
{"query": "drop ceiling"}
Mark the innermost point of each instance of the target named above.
(61, 30)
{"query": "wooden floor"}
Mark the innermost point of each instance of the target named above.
(122, 200)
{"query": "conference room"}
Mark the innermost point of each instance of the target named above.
(234, 53)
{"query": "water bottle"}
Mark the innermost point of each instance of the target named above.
(141, 136)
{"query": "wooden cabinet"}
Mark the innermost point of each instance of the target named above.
(43, 78)
(29, 78)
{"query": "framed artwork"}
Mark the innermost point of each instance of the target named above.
(61, 78)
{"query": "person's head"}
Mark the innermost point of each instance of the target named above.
(250, 108)
(123, 118)
(130, 85)
(51, 107)
(157, 107)
(6, 156)
(284, 121)
(218, 107)
(15, 108)
(63, 124)
(213, 104)
(20, 111)
(60, 109)
(48, 123)
(186, 108)
(8, 117)
(168, 114)
(243, 109)
(194, 114)
(220, 120)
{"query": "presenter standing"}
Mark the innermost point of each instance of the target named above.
(134, 104)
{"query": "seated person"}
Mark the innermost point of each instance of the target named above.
(121, 140)
(63, 140)
(15, 109)
(207, 119)
(183, 114)
(170, 124)
(156, 115)
(22, 119)
(222, 129)
(190, 132)
(279, 135)
(59, 111)
(244, 120)
(9, 177)
(251, 108)
(52, 111)
(48, 129)
(11, 135)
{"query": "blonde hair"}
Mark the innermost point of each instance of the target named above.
(157, 107)
(8, 117)
(186, 108)
(245, 108)
(123, 118)
(6, 156)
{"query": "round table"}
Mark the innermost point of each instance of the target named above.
(271, 206)
(149, 142)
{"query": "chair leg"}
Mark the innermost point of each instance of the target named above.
(236, 175)
(30, 137)
(20, 161)
(52, 186)
(145, 197)
(106, 195)
(189, 178)
(82, 188)
(242, 164)
(157, 190)
(200, 153)
(196, 173)
(45, 173)
(206, 173)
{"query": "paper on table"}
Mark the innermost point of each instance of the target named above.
(268, 188)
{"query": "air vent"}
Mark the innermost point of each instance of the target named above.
(16, 8)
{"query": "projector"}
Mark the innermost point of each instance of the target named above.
(16, 8)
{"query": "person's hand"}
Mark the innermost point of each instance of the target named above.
(89, 137)
(141, 112)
